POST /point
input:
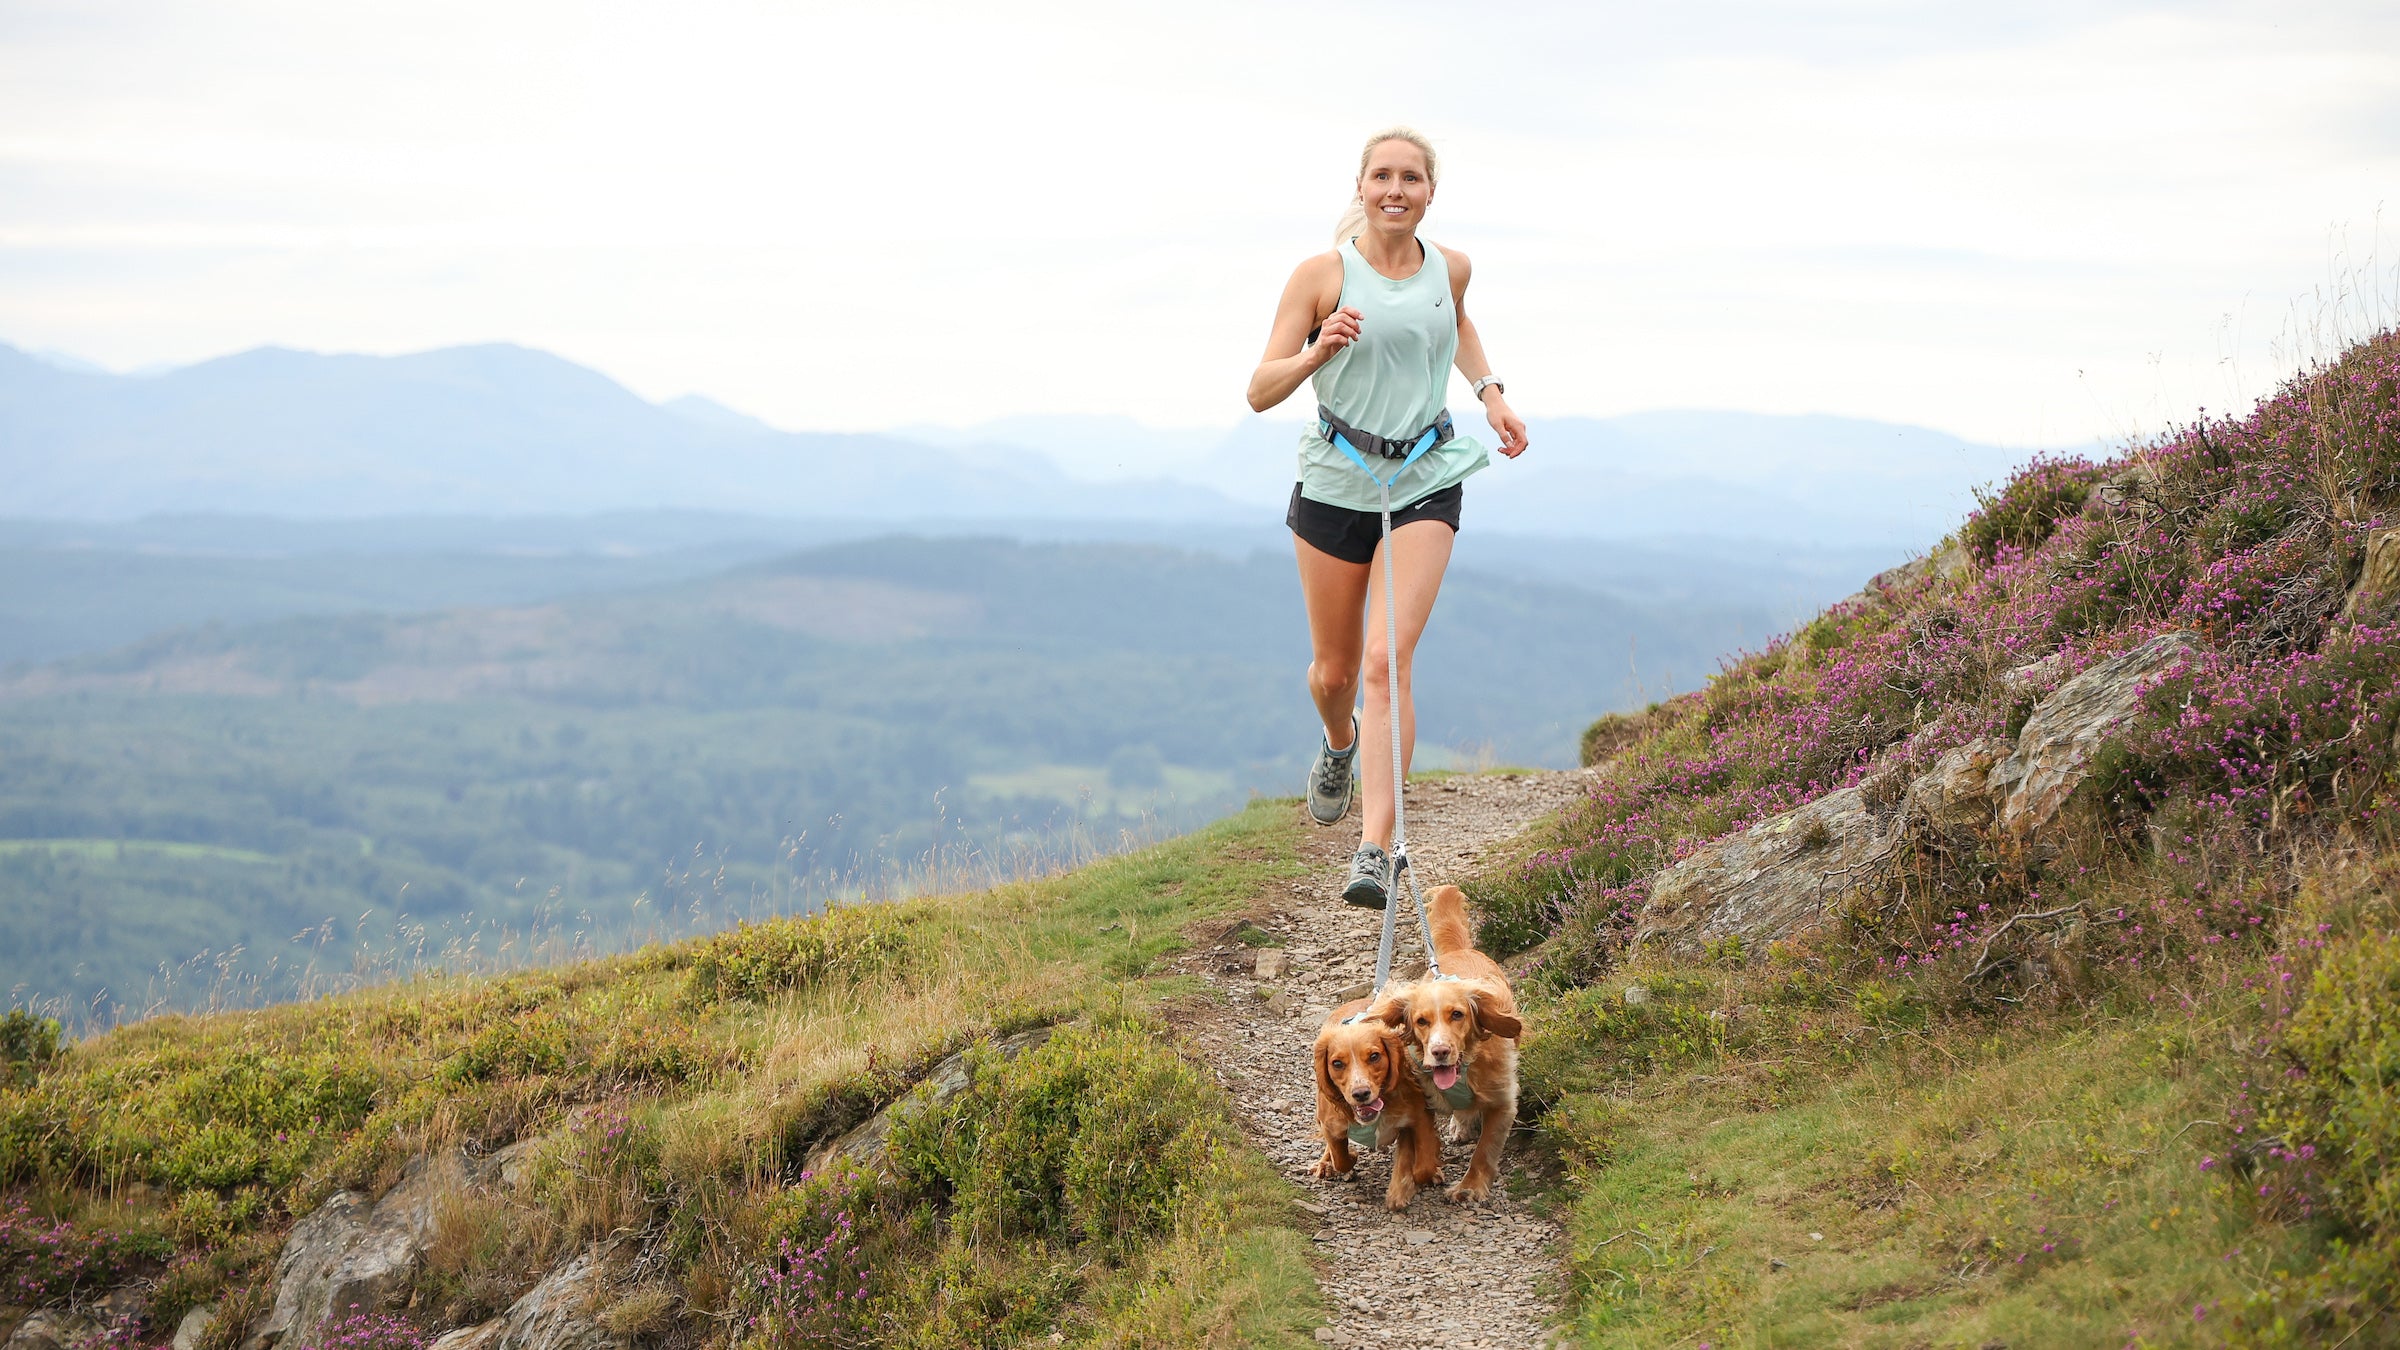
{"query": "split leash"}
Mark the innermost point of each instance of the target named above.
(1407, 452)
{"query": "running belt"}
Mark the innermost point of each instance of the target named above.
(1361, 444)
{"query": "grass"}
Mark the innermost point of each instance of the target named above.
(2025, 1187)
(675, 1092)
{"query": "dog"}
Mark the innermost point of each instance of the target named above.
(1368, 1096)
(1465, 1029)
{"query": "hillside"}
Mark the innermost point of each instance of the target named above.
(2007, 956)
(2004, 958)
(320, 791)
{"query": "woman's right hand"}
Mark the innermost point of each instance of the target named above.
(1339, 330)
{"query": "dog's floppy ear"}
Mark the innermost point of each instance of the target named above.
(1392, 1008)
(1395, 1053)
(1495, 1020)
(1330, 1107)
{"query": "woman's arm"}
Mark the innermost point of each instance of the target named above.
(1474, 365)
(1309, 301)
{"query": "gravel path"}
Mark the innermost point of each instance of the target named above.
(1391, 1279)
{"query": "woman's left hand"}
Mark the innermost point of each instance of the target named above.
(1505, 421)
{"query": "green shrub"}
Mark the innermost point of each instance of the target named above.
(27, 1043)
(221, 1273)
(757, 961)
(185, 1117)
(1091, 1136)
(2344, 1104)
(2024, 512)
(519, 1046)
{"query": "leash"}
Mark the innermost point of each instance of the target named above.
(1339, 433)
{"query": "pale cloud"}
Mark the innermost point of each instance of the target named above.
(2035, 224)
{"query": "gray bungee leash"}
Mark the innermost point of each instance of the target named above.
(1391, 715)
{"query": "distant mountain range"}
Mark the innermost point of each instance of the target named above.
(509, 431)
(495, 430)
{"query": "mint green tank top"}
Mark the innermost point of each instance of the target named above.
(1392, 382)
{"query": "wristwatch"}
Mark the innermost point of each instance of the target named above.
(1490, 382)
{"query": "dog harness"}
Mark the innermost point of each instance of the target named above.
(1460, 1095)
(1363, 1136)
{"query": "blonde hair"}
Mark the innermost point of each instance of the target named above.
(1355, 218)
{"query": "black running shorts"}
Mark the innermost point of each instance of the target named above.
(1352, 535)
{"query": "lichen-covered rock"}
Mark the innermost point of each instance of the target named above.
(556, 1314)
(195, 1324)
(2034, 677)
(350, 1255)
(2053, 756)
(866, 1144)
(1954, 797)
(2379, 582)
(1777, 879)
(48, 1329)
(1947, 562)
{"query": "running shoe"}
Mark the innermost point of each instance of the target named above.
(1330, 780)
(1370, 882)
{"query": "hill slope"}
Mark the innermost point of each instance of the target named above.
(2007, 956)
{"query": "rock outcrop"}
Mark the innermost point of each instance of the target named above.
(1954, 797)
(195, 1324)
(2379, 581)
(47, 1329)
(352, 1254)
(1775, 880)
(1782, 877)
(559, 1313)
(2053, 757)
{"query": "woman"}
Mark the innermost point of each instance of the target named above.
(1376, 324)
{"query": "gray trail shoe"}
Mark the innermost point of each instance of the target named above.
(1330, 780)
(1370, 884)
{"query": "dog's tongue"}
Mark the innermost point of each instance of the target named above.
(1445, 1076)
(1369, 1111)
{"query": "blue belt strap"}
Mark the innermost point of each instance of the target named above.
(1426, 440)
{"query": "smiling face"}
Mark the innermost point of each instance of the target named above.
(1357, 1065)
(1395, 186)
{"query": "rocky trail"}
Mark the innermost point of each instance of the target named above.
(1391, 1280)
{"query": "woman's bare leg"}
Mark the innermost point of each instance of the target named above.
(1422, 548)
(1335, 592)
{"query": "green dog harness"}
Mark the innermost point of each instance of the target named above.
(1363, 1136)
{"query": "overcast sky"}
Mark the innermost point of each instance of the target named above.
(2028, 224)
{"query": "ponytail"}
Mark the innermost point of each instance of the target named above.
(1352, 223)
